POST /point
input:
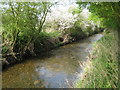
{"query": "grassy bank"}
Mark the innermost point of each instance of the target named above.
(102, 71)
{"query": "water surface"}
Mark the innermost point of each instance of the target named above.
(59, 68)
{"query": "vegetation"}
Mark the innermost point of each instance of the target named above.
(103, 71)
(108, 12)
(22, 25)
(27, 31)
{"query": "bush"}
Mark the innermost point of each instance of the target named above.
(76, 31)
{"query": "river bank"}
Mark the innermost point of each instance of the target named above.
(42, 45)
(59, 68)
(102, 70)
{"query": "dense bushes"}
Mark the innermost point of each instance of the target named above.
(25, 32)
(76, 31)
(103, 69)
(80, 30)
(22, 25)
(47, 41)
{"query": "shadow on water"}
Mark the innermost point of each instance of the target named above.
(40, 56)
(56, 69)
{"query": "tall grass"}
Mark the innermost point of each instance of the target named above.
(103, 69)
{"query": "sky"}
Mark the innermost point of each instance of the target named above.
(61, 10)
(64, 5)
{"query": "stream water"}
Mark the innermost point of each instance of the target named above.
(59, 68)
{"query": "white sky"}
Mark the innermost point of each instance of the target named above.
(61, 10)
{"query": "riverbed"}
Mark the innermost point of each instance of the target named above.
(58, 68)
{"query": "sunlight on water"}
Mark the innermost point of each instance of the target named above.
(60, 67)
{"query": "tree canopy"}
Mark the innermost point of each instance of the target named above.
(108, 12)
(22, 23)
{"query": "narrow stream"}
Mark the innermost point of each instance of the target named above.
(59, 68)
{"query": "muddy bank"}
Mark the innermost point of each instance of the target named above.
(40, 47)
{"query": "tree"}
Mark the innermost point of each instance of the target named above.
(22, 24)
(109, 11)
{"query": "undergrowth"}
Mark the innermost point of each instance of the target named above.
(103, 69)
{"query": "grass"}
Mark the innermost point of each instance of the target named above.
(102, 71)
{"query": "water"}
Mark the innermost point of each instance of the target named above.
(59, 68)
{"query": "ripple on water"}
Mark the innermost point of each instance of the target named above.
(59, 68)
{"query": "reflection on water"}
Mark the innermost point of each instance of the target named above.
(59, 68)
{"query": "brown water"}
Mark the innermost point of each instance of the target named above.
(59, 68)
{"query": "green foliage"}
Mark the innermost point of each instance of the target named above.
(76, 31)
(47, 41)
(22, 23)
(98, 21)
(55, 34)
(103, 71)
(74, 10)
(44, 35)
(82, 28)
(88, 31)
(108, 12)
